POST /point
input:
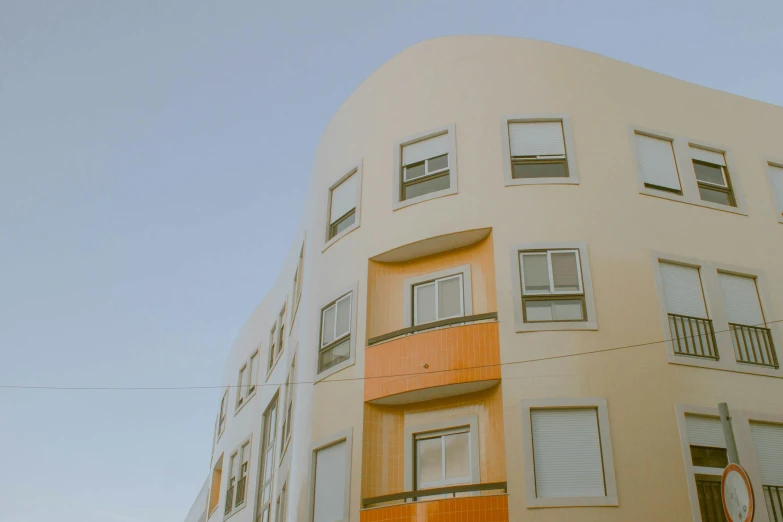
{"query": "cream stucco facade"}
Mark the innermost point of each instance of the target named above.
(614, 361)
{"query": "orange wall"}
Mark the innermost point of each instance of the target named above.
(386, 281)
(383, 450)
(492, 508)
(447, 352)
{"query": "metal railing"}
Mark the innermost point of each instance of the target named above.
(773, 497)
(753, 345)
(429, 326)
(693, 336)
(423, 493)
(710, 502)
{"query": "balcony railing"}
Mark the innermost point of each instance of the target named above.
(693, 336)
(424, 493)
(429, 326)
(710, 502)
(773, 497)
(753, 345)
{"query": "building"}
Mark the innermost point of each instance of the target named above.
(527, 274)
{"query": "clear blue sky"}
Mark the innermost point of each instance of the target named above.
(153, 159)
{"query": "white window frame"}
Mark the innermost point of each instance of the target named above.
(343, 436)
(441, 434)
(585, 281)
(548, 254)
(351, 292)
(769, 164)
(399, 175)
(596, 403)
(248, 391)
(296, 293)
(237, 454)
(434, 283)
(222, 415)
(684, 162)
(260, 469)
(353, 170)
(286, 431)
(568, 142)
(410, 284)
(277, 338)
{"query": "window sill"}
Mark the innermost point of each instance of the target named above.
(556, 326)
(397, 205)
(334, 369)
(534, 503)
(671, 196)
(247, 399)
(234, 511)
(341, 235)
(569, 180)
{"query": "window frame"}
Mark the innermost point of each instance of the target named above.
(286, 433)
(296, 291)
(213, 484)
(568, 143)
(343, 436)
(607, 454)
(274, 404)
(399, 173)
(588, 309)
(769, 165)
(552, 295)
(354, 170)
(247, 392)
(435, 282)
(353, 292)
(410, 283)
(237, 453)
(277, 338)
(222, 415)
(441, 435)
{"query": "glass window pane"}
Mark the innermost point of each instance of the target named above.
(430, 459)
(567, 310)
(414, 171)
(714, 196)
(425, 187)
(449, 298)
(343, 224)
(458, 456)
(709, 457)
(327, 326)
(538, 311)
(334, 355)
(709, 173)
(270, 455)
(536, 273)
(267, 492)
(437, 163)
(343, 316)
(539, 170)
(425, 303)
(565, 271)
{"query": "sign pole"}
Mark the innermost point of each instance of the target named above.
(728, 433)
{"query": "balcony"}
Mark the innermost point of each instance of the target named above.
(693, 336)
(753, 345)
(773, 498)
(435, 360)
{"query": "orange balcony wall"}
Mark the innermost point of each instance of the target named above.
(492, 508)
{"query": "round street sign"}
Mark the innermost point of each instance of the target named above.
(737, 494)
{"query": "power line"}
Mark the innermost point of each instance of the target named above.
(349, 379)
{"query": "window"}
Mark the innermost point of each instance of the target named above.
(712, 176)
(425, 167)
(233, 469)
(267, 462)
(246, 385)
(690, 329)
(775, 177)
(443, 458)
(344, 197)
(552, 286)
(331, 472)
(282, 501)
(768, 441)
(537, 150)
(222, 414)
(280, 330)
(276, 339)
(656, 161)
(568, 443)
(438, 299)
(709, 457)
(335, 333)
(297, 290)
(289, 406)
(214, 490)
(272, 347)
(244, 463)
(252, 371)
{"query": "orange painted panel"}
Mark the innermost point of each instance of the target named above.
(454, 355)
(485, 508)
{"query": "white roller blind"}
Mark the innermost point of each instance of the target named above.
(682, 290)
(768, 441)
(656, 161)
(742, 299)
(567, 453)
(704, 431)
(776, 180)
(425, 149)
(330, 484)
(536, 138)
(707, 155)
(344, 197)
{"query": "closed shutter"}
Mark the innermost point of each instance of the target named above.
(536, 139)
(344, 197)
(742, 299)
(704, 431)
(567, 453)
(330, 478)
(656, 161)
(709, 156)
(768, 441)
(425, 149)
(565, 271)
(776, 180)
(682, 290)
(535, 270)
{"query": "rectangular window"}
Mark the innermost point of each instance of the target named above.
(280, 330)
(214, 490)
(552, 286)
(267, 462)
(425, 166)
(690, 328)
(343, 200)
(233, 471)
(712, 176)
(768, 441)
(775, 173)
(289, 407)
(282, 501)
(272, 347)
(244, 463)
(537, 150)
(252, 370)
(657, 163)
(438, 299)
(330, 483)
(335, 333)
(709, 457)
(297, 291)
(242, 385)
(567, 453)
(443, 458)
(222, 415)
